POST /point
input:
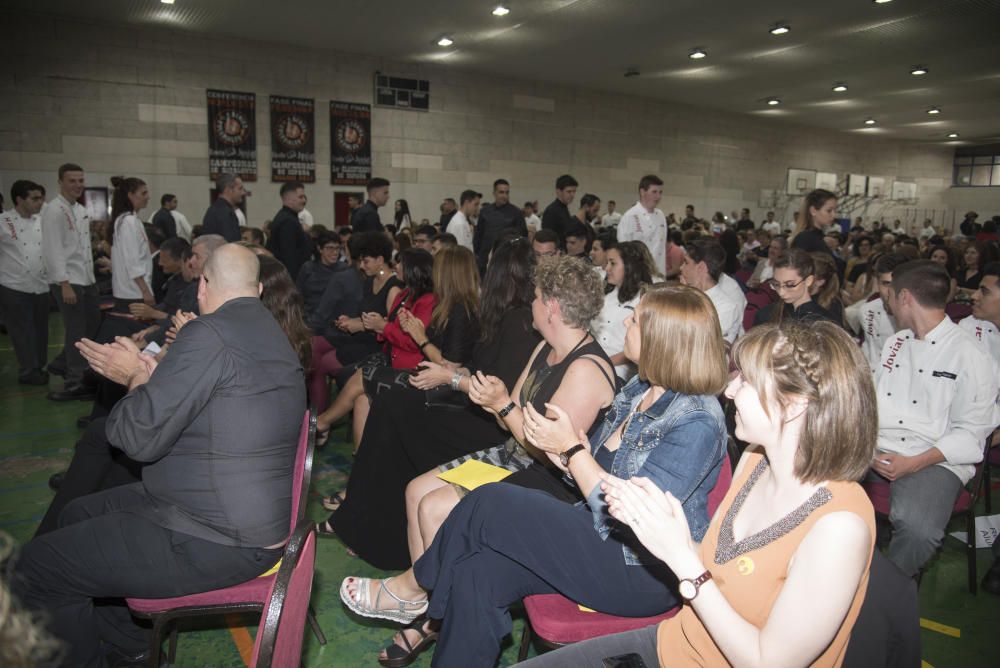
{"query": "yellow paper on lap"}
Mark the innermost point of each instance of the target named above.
(472, 473)
(584, 608)
(271, 571)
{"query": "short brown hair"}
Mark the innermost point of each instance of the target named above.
(68, 167)
(927, 281)
(817, 361)
(682, 345)
(574, 285)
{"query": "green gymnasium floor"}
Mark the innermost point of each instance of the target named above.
(37, 437)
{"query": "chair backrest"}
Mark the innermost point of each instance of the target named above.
(282, 626)
(721, 487)
(302, 471)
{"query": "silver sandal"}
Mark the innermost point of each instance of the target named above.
(402, 614)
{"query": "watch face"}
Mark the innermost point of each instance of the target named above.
(687, 589)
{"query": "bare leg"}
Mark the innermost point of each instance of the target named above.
(342, 404)
(403, 585)
(433, 510)
(362, 406)
(418, 488)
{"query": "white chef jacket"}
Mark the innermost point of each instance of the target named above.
(649, 227)
(985, 332)
(22, 264)
(608, 329)
(461, 228)
(937, 392)
(66, 242)
(610, 219)
(730, 311)
(878, 328)
(183, 226)
(130, 258)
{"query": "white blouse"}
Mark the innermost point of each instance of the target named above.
(609, 329)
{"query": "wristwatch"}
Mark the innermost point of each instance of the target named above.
(505, 411)
(688, 588)
(565, 455)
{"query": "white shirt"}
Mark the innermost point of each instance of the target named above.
(609, 329)
(461, 228)
(610, 219)
(877, 327)
(927, 232)
(730, 311)
(241, 217)
(183, 226)
(130, 258)
(306, 218)
(985, 332)
(22, 264)
(66, 242)
(649, 227)
(938, 392)
(772, 228)
(533, 222)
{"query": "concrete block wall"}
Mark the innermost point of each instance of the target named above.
(131, 100)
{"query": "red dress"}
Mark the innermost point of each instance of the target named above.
(402, 349)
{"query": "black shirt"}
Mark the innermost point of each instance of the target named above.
(744, 224)
(365, 218)
(312, 281)
(445, 219)
(557, 217)
(493, 221)
(165, 223)
(288, 241)
(810, 311)
(220, 218)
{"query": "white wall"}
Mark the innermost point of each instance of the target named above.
(122, 99)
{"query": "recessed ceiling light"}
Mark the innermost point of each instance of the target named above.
(952, 135)
(501, 10)
(882, 2)
(780, 29)
(869, 121)
(933, 110)
(697, 54)
(919, 70)
(839, 88)
(167, 2)
(773, 101)
(445, 41)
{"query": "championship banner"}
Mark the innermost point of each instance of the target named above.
(350, 143)
(293, 140)
(232, 134)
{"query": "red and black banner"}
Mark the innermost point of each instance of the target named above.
(350, 143)
(232, 134)
(293, 139)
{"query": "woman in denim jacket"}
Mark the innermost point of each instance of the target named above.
(504, 542)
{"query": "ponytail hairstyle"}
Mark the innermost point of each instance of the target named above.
(123, 187)
(816, 199)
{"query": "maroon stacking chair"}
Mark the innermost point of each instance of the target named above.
(554, 620)
(965, 506)
(757, 298)
(250, 596)
(958, 310)
(286, 606)
(991, 459)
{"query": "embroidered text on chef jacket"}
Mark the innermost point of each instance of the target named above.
(985, 332)
(878, 328)
(66, 242)
(22, 266)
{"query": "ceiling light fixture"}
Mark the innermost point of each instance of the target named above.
(882, 2)
(780, 29)
(952, 135)
(933, 110)
(839, 88)
(167, 2)
(445, 41)
(773, 101)
(919, 70)
(697, 54)
(501, 10)
(869, 121)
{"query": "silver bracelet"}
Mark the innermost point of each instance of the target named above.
(456, 381)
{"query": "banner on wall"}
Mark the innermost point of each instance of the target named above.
(350, 143)
(293, 140)
(232, 134)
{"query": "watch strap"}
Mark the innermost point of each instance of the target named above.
(505, 411)
(565, 456)
(697, 583)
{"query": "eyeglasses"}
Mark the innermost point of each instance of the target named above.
(788, 285)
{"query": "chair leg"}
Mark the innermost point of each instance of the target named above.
(172, 646)
(156, 641)
(522, 653)
(987, 485)
(317, 631)
(970, 551)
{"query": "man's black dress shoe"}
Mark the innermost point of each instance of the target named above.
(77, 393)
(36, 377)
(56, 370)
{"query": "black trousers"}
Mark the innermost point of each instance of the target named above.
(504, 542)
(102, 550)
(96, 465)
(80, 320)
(26, 316)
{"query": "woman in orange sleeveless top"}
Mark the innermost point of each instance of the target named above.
(781, 573)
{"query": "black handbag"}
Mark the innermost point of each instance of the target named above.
(443, 396)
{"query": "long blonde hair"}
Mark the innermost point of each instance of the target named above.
(456, 282)
(815, 200)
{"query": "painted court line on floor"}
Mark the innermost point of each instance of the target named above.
(241, 637)
(940, 628)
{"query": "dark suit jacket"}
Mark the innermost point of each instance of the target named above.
(493, 221)
(217, 426)
(557, 217)
(165, 223)
(365, 218)
(288, 241)
(220, 218)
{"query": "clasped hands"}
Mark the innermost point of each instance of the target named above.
(433, 374)
(121, 362)
(412, 325)
(892, 466)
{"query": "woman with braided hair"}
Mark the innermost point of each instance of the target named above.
(780, 575)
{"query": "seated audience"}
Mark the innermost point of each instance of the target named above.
(877, 323)
(764, 271)
(253, 235)
(172, 259)
(627, 274)
(604, 241)
(443, 240)
(341, 338)
(976, 256)
(399, 349)
(216, 424)
(546, 243)
(794, 275)
(409, 432)
(937, 392)
(703, 264)
(826, 288)
(314, 275)
(794, 517)
(578, 241)
(943, 255)
(504, 542)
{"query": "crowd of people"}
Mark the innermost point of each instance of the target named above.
(590, 359)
